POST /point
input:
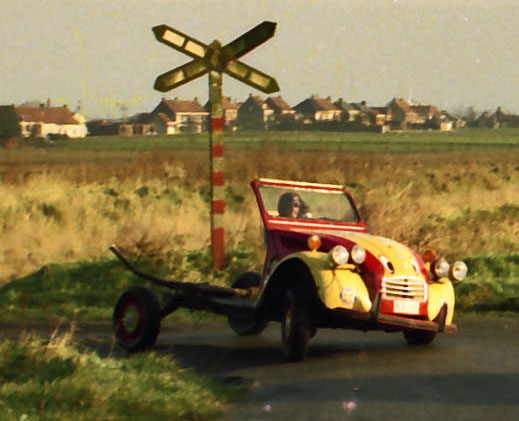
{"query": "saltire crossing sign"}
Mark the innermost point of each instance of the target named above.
(215, 60)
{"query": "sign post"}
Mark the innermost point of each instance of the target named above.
(216, 60)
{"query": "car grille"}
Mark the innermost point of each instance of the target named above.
(404, 288)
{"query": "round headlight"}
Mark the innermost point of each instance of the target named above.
(339, 255)
(459, 270)
(358, 254)
(441, 268)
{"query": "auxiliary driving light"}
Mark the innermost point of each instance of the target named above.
(358, 254)
(459, 270)
(339, 255)
(441, 268)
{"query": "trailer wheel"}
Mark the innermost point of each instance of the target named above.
(295, 327)
(247, 325)
(419, 337)
(136, 319)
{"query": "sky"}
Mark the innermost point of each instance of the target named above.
(102, 55)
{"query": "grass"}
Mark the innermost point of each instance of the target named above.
(492, 285)
(56, 379)
(89, 290)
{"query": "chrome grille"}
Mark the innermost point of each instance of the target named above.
(404, 287)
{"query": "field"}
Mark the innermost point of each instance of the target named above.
(457, 193)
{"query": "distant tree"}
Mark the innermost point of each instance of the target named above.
(471, 114)
(9, 124)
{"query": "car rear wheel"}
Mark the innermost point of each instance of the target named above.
(247, 324)
(136, 319)
(419, 337)
(295, 327)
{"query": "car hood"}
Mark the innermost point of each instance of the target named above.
(401, 256)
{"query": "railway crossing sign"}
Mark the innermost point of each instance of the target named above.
(214, 57)
(215, 60)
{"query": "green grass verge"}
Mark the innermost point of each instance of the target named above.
(408, 141)
(492, 284)
(89, 290)
(54, 380)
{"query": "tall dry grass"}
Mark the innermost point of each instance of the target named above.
(63, 206)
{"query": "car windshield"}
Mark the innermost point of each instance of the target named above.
(290, 202)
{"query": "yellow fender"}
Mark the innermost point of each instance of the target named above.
(338, 287)
(441, 292)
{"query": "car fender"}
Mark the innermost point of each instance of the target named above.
(336, 287)
(441, 292)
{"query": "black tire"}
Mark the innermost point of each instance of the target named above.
(419, 337)
(245, 325)
(136, 319)
(295, 327)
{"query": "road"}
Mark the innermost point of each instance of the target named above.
(472, 375)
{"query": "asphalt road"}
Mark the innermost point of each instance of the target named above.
(472, 375)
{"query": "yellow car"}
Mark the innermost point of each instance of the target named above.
(323, 269)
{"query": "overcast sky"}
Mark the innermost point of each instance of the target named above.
(450, 53)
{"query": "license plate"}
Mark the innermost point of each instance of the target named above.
(406, 307)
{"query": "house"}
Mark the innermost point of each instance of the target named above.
(255, 114)
(316, 109)
(134, 126)
(485, 120)
(379, 116)
(349, 113)
(178, 116)
(9, 127)
(102, 127)
(364, 115)
(48, 121)
(499, 118)
(428, 116)
(137, 125)
(282, 111)
(230, 112)
(402, 114)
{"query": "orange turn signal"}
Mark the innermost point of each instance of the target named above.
(429, 255)
(314, 242)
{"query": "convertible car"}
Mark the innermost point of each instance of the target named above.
(323, 269)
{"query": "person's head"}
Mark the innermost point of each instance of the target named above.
(291, 205)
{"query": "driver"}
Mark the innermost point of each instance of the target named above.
(291, 205)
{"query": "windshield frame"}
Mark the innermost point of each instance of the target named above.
(272, 221)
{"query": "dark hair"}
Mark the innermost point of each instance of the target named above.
(285, 205)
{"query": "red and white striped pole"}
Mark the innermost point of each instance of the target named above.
(217, 170)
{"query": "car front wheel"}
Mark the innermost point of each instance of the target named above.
(136, 319)
(295, 327)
